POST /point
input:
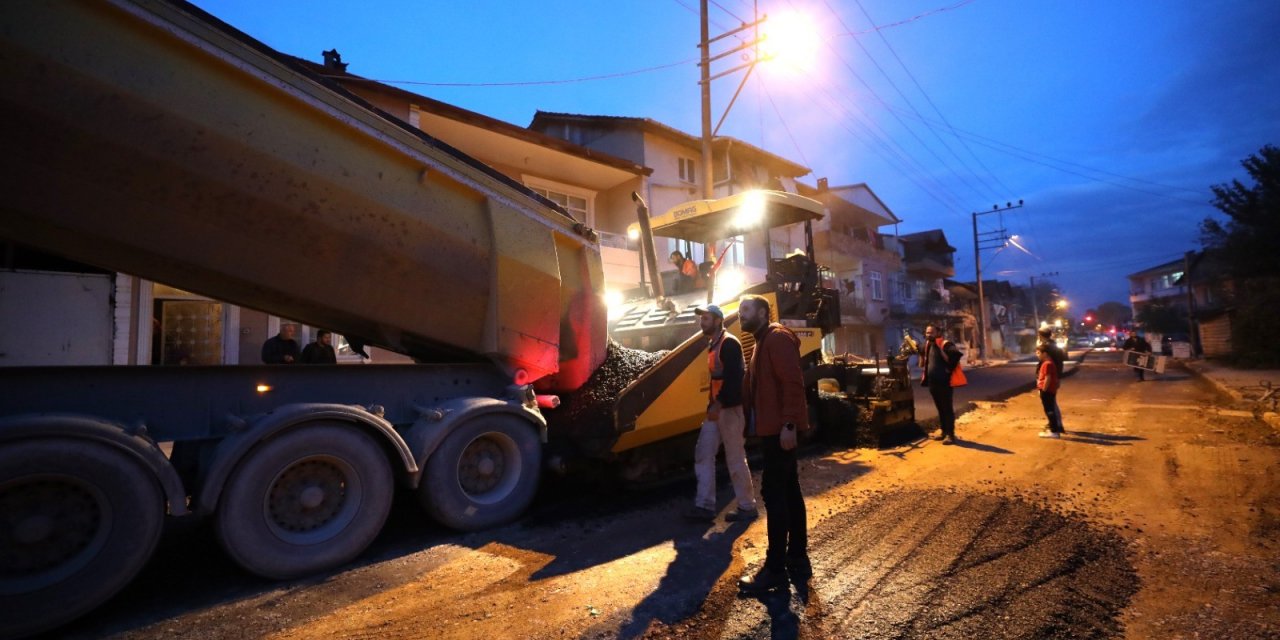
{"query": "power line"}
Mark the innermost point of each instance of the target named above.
(935, 108)
(895, 87)
(906, 21)
(783, 121)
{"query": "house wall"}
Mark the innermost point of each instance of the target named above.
(63, 319)
(1215, 336)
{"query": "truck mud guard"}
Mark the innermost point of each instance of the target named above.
(132, 441)
(234, 447)
(436, 423)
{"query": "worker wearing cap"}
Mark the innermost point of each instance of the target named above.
(724, 423)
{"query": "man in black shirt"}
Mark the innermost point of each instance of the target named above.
(281, 348)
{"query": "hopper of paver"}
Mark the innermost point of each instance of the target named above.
(196, 159)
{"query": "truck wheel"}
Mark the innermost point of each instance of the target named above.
(78, 520)
(304, 501)
(484, 473)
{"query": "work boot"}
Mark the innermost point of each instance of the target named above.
(799, 570)
(699, 514)
(765, 580)
(742, 515)
(948, 439)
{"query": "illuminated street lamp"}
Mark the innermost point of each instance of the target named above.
(790, 38)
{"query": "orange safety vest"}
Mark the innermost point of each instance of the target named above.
(716, 366)
(958, 379)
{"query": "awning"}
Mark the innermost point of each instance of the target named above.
(711, 220)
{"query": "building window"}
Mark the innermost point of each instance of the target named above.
(687, 171)
(877, 288)
(578, 202)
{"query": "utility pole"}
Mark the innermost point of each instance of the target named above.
(705, 60)
(1191, 304)
(999, 237)
(1035, 308)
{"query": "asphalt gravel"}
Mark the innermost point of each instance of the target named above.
(941, 564)
(585, 416)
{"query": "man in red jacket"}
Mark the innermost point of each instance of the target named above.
(774, 396)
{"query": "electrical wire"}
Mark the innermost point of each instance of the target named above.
(906, 21)
(785, 126)
(946, 165)
(937, 111)
(527, 83)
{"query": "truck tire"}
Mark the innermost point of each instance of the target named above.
(78, 520)
(485, 473)
(307, 500)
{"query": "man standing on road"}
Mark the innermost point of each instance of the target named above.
(1059, 358)
(1137, 343)
(724, 423)
(775, 400)
(939, 358)
(1047, 383)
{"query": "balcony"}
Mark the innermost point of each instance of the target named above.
(930, 266)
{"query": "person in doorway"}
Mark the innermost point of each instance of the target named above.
(939, 358)
(281, 348)
(774, 395)
(1137, 343)
(686, 272)
(1059, 358)
(321, 351)
(724, 423)
(1047, 383)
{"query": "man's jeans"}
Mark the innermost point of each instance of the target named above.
(729, 430)
(787, 523)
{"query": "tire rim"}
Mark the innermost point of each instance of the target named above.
(489, 468)
(312, 500)
(51, 526)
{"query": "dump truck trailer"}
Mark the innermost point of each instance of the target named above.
(147, 137)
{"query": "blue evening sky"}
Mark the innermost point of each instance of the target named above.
(1109, 118)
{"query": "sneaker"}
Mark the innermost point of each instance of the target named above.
(949, 440)
(766, 579)
(699, 514)
(742, 515)
(937, 436)
(1050, 434)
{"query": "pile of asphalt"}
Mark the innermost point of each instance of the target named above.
(585, 417)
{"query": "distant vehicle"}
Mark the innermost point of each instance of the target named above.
(1083, 341)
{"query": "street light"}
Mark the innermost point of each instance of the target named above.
(791, 38)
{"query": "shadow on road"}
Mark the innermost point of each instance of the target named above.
(1104, 439)
(978, 446)
(700, 561)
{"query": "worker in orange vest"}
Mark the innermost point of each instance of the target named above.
(724, 423)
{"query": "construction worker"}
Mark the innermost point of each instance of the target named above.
(724, 423)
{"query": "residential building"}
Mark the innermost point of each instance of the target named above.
(849, 241)
(675, 160)
(924, 293)
(1198, 286)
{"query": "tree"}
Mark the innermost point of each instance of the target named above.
(1114, 313)
(1247, 242)
(1249, 237)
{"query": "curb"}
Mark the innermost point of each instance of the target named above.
(1270, 417)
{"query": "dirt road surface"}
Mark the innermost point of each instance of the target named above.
(1158, 516)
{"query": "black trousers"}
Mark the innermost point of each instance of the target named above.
(1050, 403)
(942, 399)
(787, 522)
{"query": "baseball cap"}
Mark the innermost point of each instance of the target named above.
(712, 309)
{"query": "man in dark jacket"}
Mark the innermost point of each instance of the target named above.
(1137, 343)
(1059, 358)
(281, 348)
(775, 399)
(938, 359)
(320, 351)
(724, 423)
